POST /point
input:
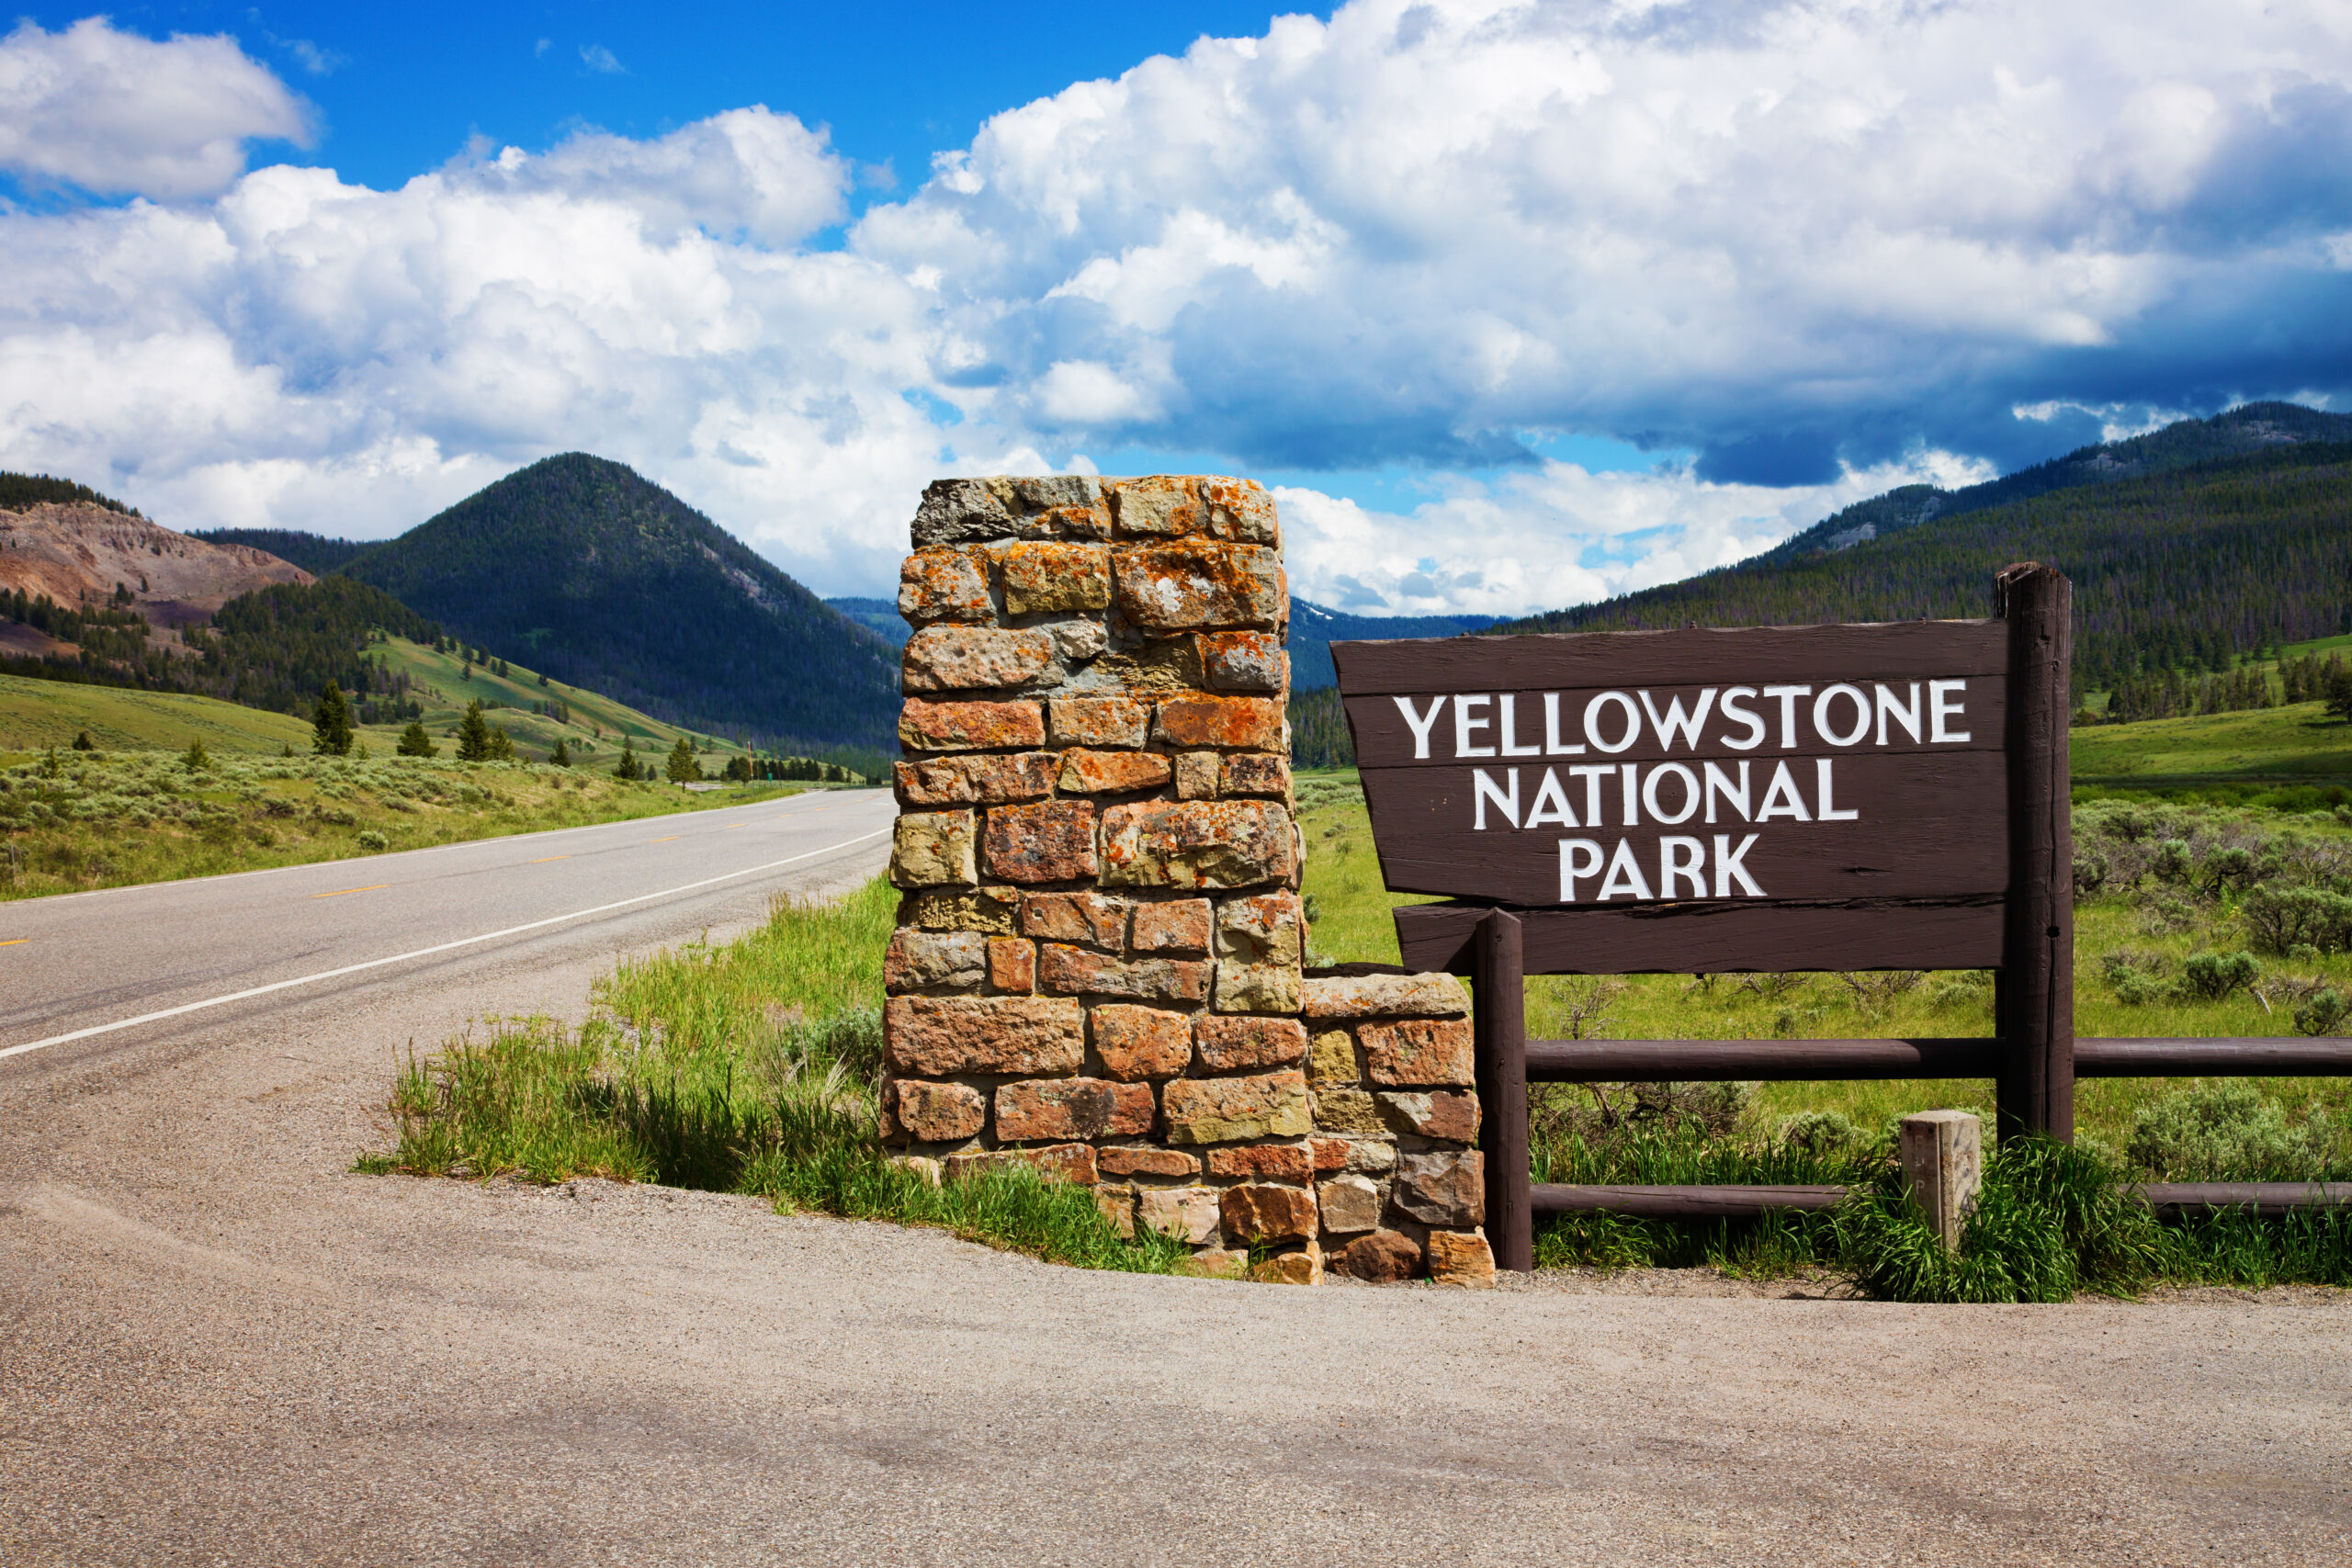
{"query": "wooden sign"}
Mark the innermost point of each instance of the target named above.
(1778, 791)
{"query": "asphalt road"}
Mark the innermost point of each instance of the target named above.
(92, 961)
(218, 1345)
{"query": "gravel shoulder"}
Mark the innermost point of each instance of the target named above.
(215, 1344)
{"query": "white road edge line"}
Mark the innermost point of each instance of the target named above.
(425, 952)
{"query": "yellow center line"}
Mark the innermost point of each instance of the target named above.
(371, 888)
(671, 839)
(544, 859)
(16, 941)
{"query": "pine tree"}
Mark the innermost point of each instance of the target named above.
(561, 755)
(681, 766)
(502, 745)
(331, 723)
(631, 768)
(739, 769)
(196, 760)
(473, 735)
(414, 742)
(82, 742)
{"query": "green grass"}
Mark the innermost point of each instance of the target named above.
(748, 1067)
(2292, 745)
(35, 714)
(113, 819)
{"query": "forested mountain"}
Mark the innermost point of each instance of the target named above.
(1313, 629)
(314, 553)
(880, 616)
(613, 583)
(2240, 432)
(2180, 568)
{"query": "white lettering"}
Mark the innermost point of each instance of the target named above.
(1592, 773)
(1625, 875)
(1689, 795)
(1788, 695)
(1551, 806)
(1629, 773)
(1671, 865)
(1464, 724)
(1732, 709)
(1552, 745)
(1419, 723)
(1861, 715)
(1829, 812)
(1512, 748)
(1676, 720)
(1570, 852)
(1719, 782)
(1909, 718)
(1781, 799)
(1483, 789)
(1939, 710)
(1592, 721)
(1728, 866)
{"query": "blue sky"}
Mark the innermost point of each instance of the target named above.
(1516, 304)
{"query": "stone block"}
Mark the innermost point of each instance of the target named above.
(967, 658)
(1196, 776)
(939, 1112)
(1142, 1042)
(1449, 1118)
(918, 959)
(1330, 1154)
(1371, 1156)
(1442, 1189)
(1943, 1160)
(941, 1036)
(969, 726)
(1050, 841)
(1245, 661)
(1062, 505)
(1237, 509)
(1257, 987)
(1058, 1110)
(1201, 585)
(1461, 1258)
(1087, 918)
(1059, 1162)
(1349, 1203)
(1042, 579)
(1111, 773)
(1228, 1111)
(1199, 843)
(1162, 506)
(1076, 972)
(1420, 1051)
(1290, 1162)
(1302, 1267)
(1100, 721)
(1387, 996)
(1187, 1213)
(1216, 1263)
(1263, 1213)
(1077, 639)
(989, 909)
(1013, 964)
(1331, 1061)
(976, 779)
(1123, 1160)
(1231, 1044)
(1347, 1110)
(930, 848)
(1383, 1258)
(1262, 929)
(1117, 1206)
(1255, 773)
(944, 585)
(921, 1167)
(961, 511)
(1174, 926)
(1242, 724)
(1163, 664)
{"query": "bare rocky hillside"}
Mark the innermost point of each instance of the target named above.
(79, 551)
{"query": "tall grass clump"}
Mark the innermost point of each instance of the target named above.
(749, 1066)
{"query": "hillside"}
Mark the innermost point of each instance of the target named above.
(1313, 629)
(880, 616)
(605, 581)
(314, 553)
(83, 551)
(2180, 568)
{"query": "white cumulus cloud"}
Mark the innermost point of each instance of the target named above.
(117, 114)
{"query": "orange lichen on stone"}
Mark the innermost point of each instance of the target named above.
(969, 726)
(1200, 585)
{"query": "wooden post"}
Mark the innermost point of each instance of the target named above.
(2035, 999)
(1501, 979)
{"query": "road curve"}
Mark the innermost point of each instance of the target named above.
(86, 964)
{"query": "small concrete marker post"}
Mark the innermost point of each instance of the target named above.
(1943, 1159)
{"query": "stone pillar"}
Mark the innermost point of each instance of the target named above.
(1098, 965)
(1943, 1160)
